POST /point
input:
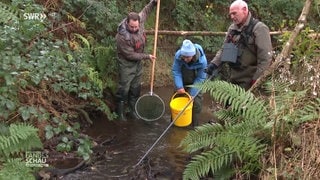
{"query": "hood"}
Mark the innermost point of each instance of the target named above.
(122, 30)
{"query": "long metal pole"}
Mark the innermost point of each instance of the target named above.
(165, 131)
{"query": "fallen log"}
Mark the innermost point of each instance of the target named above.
(213, 33)
(198, 33)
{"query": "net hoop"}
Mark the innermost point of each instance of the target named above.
(150, 107)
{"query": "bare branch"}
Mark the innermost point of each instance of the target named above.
(283, 56)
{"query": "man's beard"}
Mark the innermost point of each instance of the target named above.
(134, 32)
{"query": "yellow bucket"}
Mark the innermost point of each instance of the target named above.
(177, 104)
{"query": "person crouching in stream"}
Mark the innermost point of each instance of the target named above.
(188, 68)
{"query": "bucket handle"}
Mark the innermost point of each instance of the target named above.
(176, 93)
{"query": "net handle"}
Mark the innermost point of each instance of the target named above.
(155, 45)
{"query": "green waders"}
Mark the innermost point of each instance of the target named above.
(188, 77)
(129, 87)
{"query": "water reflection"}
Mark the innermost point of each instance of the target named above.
(133, 138)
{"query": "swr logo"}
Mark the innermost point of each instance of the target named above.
(34, 16)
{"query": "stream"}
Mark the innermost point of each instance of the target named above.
(132, 139)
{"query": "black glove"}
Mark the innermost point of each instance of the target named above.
(210, 68)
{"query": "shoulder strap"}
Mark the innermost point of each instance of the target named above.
(252, 23)
(248, 31)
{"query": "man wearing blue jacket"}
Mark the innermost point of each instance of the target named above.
(188, 68)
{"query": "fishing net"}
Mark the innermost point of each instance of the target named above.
(150, 107)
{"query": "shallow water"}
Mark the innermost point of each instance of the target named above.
(133, 138)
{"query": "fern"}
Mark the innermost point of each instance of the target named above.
(22, 137)
(242, 103)
(94, 77)
(83, 40)
(203, 136)
(201, 164)
(14, 139)
(16, 169)
(224, 145)
(310, 111)
(225, 149)
(248, 124)
(292, 107)
(105, 61)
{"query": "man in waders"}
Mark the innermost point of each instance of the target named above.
(247, 47)
(188, 68)
(131, 41)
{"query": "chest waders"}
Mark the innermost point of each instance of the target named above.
(188, 77)
(242, 71)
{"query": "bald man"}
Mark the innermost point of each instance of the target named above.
(247, 47)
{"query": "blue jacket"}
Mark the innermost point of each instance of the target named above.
(198, 65)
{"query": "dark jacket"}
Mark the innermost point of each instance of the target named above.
(253, 58)
(130, 46)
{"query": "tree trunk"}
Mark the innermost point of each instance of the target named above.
(283, 57)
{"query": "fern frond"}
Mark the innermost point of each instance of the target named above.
(289, 99)
(245, 128)
(238, 124)
(105, 60)
(83, 40)
(309, 112)
(276, 88)
(229, 147)
(227, 116)
(206, 161)
(291, 106)
(22, 137)
(236, 142)
(247, 148)
(242, 102)
(16, 169)
(7, 14)
(202, 137)
(94, 77)
(224, 173)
